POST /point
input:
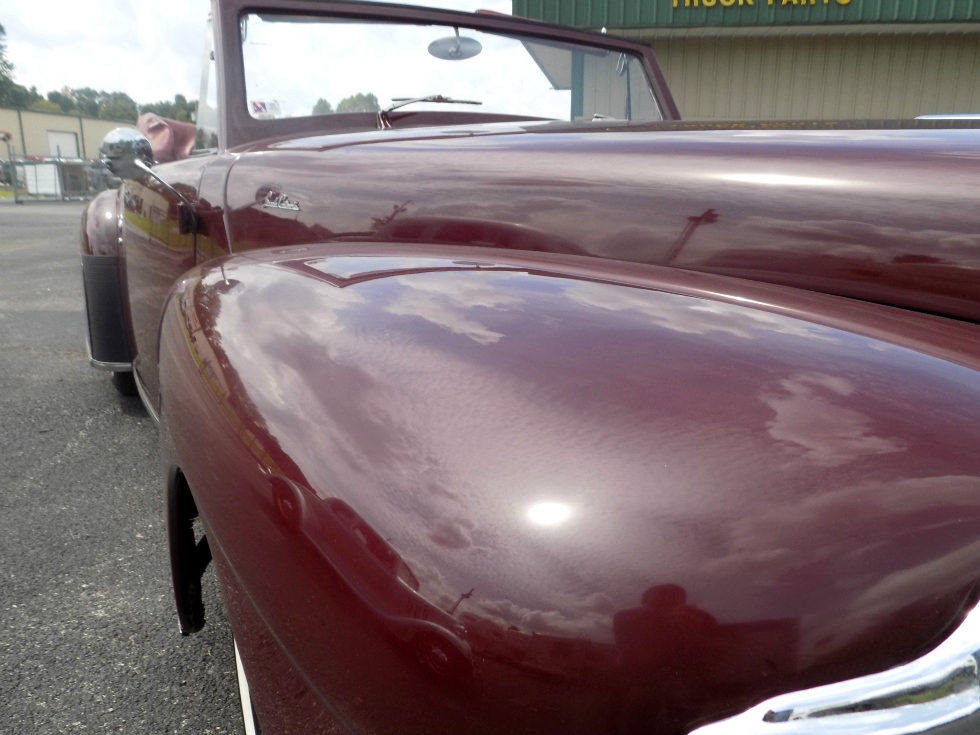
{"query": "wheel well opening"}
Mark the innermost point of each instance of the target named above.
(190, 553)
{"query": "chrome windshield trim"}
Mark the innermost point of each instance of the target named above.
(938, 693)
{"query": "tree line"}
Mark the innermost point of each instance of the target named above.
(359, 102)
(90, 102)
(84, 101)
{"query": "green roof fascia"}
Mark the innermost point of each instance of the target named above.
(744, 13)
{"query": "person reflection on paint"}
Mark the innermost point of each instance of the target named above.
(663, 650)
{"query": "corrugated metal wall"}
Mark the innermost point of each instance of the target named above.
(853, 76)
(741, 13)
(860, 59)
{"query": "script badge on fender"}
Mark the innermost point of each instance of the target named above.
(274, 200)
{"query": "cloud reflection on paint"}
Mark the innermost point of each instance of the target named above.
(811, 416)
(452, 533)
(442, 441)
(587, 617)
(859, 539)
(693, 316)
(450, 304)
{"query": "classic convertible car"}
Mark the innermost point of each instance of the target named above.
(505, 401)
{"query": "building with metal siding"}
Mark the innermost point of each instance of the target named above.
(815, 59)
(45, 134)
(52, 154)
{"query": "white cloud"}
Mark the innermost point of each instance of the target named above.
(150, 51)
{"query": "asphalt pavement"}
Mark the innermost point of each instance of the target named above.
(88, 636)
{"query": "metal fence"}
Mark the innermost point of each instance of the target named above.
(37, 178)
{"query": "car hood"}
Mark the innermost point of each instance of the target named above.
(880, 215)
(586, 449)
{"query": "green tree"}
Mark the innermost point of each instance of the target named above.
(83, 101)
(11, 93)
(86, 99)
(322, 107)
(21, 96)
(186, 109)
(117, 106)
(95, 103)
(63, 100)
(180, 109)
(6, 72)
(359, 103)
(43, 105)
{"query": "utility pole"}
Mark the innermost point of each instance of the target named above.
(464, 596)
(705, 218)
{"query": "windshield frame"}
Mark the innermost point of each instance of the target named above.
(236, 127)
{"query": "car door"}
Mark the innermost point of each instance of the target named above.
(159, 244)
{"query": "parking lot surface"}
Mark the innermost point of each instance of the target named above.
(89, 639)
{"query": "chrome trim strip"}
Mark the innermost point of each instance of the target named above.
(112, 367)
(248, 711)
(938, 693)
(145, 398)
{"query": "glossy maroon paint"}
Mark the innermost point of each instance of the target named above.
(824, 210)
(591, 496)
(884, 216)
(157, 251)
(459, 478)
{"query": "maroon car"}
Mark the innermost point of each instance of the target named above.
(506, 402)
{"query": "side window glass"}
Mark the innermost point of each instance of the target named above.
(206, 138)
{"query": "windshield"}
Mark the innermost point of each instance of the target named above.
(304, 66)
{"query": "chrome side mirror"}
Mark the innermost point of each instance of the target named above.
(126, 153)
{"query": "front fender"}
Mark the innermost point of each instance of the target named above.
(643, 498)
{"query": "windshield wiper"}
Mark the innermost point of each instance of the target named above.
(385, 122)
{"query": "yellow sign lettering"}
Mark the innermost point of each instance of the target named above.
(723, 3)
(740, 3)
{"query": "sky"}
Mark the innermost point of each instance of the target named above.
(150, 51)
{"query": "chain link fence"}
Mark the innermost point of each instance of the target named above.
(53, 179)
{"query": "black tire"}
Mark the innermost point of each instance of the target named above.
(125, 383)
(441, 658)
(249, 718)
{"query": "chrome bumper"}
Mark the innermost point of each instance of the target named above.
(937, 694)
